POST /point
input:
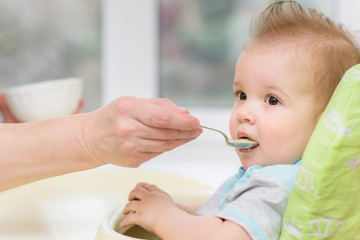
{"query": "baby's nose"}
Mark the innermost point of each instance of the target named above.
(244, 114)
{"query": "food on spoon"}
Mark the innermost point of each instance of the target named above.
(242, 143)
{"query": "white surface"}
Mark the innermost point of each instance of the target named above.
(110, 227)
(193, 161)
(71, 207)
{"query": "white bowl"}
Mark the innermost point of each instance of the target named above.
(110, 229)
(48, 99)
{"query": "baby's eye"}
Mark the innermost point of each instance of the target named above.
(240, 96)
(272, 100)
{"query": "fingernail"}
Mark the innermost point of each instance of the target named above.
(183, 109)
(197, 134)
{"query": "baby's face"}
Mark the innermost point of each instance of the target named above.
(274, 105)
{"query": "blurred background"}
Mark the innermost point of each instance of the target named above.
(43, 40)
(179, 49)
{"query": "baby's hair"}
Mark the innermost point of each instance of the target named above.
(329, 49)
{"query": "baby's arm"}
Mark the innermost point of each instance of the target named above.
(155, 211)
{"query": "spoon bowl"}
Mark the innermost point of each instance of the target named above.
(242, 143)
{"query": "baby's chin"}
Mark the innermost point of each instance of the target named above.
(249, 161)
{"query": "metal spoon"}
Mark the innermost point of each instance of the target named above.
(237, 143)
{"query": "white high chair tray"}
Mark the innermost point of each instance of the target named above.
(72, 206)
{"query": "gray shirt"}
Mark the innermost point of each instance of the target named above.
(255, 199)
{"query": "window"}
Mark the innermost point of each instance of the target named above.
(200, 43)
(49, 39)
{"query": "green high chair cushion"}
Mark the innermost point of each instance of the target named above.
(325, 200)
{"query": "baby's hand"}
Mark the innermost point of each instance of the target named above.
(147, 206)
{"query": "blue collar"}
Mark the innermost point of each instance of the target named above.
(298, 162)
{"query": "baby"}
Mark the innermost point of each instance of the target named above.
(284, 78)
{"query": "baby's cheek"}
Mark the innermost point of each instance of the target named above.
(278, 148)
(232, 127)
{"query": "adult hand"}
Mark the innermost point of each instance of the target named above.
(126, 132)
(130, 131)
(8, 117)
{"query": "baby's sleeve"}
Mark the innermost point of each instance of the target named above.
(256, 200)
(258, 206)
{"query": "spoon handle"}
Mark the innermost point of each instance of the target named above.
(226, 137)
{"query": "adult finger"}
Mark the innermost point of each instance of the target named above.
(164, 116)
(148, 146)
(133, 128)
(169, 134)
(167, 102)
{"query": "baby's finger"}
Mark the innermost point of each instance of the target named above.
(141, 184)
(137, 193)
(130, 207)
(147, 186)
(152, 188)
(128, 221)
